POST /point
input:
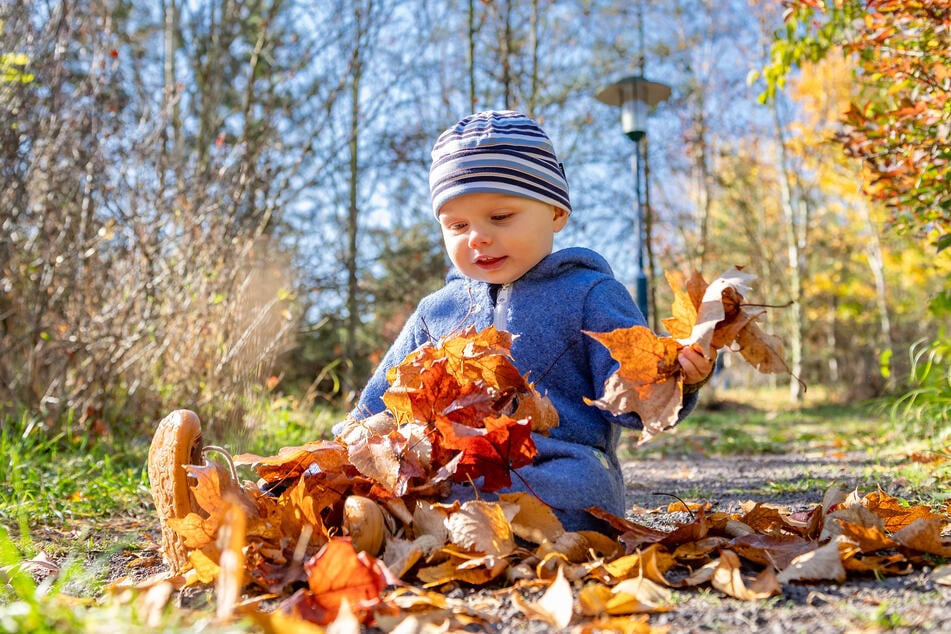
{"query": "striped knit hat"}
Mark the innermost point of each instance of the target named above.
(501, 152)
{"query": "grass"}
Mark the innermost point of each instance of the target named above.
(764, 422)
(67, 476)
(84, 502)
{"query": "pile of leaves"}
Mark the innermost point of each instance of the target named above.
(458, 411)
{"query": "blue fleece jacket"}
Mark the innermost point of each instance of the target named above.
(548, 308)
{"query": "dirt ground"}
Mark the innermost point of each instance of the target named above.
(912, 603)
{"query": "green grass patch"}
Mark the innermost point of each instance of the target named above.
(769, 424)
(66, 476)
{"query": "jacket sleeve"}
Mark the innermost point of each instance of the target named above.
(609, 306)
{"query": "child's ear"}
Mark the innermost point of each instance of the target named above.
(560, 218)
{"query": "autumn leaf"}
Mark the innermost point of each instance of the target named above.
(684, 307)
(554, 607)
(771, 549)
(337, 573)
(390, 454)
(822, 564)
(649, 379)
(925, 535)
(481, 527)
(728, 579)
(490, 452)
(633, 596)
(534, 521)
(720, 306)
(291, 462)
(762, 351)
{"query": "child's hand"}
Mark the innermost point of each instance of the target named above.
(696, 366)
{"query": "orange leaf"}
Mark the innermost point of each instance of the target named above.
(291, 462)
(338, 572)
(684, 309)
(924, 535)
(893, 513)
(649, 380)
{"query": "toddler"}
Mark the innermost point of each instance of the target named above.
(500, 195)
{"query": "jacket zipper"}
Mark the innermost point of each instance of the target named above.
(501, 314)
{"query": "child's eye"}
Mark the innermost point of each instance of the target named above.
(456, 226)
(501, 217)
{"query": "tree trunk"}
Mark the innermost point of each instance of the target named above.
(794, 252)
(353, 318)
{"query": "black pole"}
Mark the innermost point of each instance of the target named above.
(640, 278)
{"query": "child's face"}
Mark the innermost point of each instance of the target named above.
(497, 238)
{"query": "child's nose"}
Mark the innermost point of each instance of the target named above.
(478, 237)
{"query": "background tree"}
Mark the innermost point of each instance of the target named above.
(898, 124)
(198, 197)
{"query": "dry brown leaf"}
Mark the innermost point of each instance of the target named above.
(728, 579)
(822, 564)
(719, 303)
(555, 607)
(534, 520)
(924, 535)
(777, 551)
(482, 527)
(761, 350)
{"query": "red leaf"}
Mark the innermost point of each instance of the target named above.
(502, 445)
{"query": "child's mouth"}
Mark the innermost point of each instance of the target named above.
(489, 264)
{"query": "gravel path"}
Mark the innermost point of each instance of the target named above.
(912, 603)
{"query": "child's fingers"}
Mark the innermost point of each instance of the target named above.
(696, 366)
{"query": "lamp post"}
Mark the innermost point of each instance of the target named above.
(634, 95)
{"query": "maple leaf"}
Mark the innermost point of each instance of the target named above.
(720, 304)
(388, 453)
(490, 452)
(337, 573)
(685, 304)
(649, 381)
